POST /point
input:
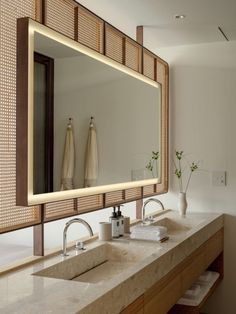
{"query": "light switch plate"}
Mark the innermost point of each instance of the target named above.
(218, 178)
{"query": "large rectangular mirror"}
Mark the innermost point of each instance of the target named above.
(90, 125)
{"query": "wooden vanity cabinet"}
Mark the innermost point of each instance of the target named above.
(162, 296)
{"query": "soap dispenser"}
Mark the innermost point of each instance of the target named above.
(115, 224)
(121, 221)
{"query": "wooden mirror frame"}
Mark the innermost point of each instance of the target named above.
(110, 194)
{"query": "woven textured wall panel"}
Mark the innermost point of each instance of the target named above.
(160, 72)
(133, 193)
(90, 30)
(133, 55)
(60, 16)
(148, 190)
(87, 203)
(113, 198)
(60, 209)
(114, 44)
(11, 217)
(148, 65)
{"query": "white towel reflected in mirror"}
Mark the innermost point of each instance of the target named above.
(91, 158)
(68, 163)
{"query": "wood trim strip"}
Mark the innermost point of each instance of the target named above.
(139, 39)
(22, 112)
(76, 24)
(166, 132)
(38, 235)
(104, 200)
(139, 206)
(139, 34)
(124, 50)
(43, 11)
(76, 205)
(123, 195)
(104, 38)
(155, 69)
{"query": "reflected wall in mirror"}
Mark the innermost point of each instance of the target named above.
(126, 111)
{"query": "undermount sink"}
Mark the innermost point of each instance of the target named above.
(98, 264)
(177, 226)
(173, 226)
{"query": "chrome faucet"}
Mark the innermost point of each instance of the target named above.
(70, 222)
(144, 207)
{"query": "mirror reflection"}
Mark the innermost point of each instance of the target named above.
(93, 124)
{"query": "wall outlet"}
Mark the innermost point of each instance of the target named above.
(218, 178)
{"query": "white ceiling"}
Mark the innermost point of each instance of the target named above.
(203, 17)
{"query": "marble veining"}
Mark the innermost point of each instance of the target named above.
(137, 266)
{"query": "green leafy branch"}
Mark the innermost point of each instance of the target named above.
(179, 156)
(153, 163)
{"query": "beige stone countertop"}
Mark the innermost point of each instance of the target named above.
(22, 292)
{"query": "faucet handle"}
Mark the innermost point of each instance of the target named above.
(150, 218)
(79, 245)
(145, 221)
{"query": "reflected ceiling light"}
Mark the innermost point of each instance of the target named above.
(180, 16)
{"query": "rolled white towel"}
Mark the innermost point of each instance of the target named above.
(193, 292)
(157, 230)
(147, 236)
(205, 277)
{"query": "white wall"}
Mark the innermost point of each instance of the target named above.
(202, 123)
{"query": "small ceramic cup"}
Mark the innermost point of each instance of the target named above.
(104, 232)
(126, 224)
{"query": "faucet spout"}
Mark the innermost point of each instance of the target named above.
(144, 207)
(70, 222)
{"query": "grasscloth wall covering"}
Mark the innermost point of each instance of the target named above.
(71, 19)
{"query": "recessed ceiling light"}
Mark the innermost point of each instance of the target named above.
(180, 16)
